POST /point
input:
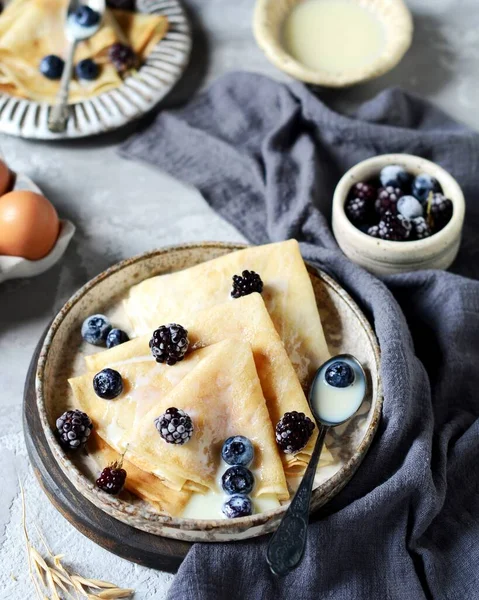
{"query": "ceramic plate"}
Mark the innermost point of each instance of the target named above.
(346, 330)
(110, 110)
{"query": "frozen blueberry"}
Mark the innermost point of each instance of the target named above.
(108, 384)
(237, 480)
(116, 337)
(237, 450)
(86, 16)
(51, 66)
(410, 207)
(395, 176)
(339, 374)
(237, 506)
(95, 330)
(87, 69)
(422, 185)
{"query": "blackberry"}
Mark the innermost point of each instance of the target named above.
(410, 207)
(246, 283)
(122, 57)
(387, 199)
(365, 191)
(237, 480)
(169, 343)
(112, 479)
(420, 229)
(237, 506)
(395, 228)
(373, 231)
(108, 384)
(339, 374)
(237, 450)
(73, 429)
(439, 211)
(396, 176)
(174, 426)
(116, 337)
(293, 431)
(357, 210)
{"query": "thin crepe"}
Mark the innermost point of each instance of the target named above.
(32, 29)
(288, 295)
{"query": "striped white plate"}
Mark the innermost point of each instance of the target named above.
(110, 110)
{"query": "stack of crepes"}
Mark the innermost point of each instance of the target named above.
(33, 29)
(250, 361)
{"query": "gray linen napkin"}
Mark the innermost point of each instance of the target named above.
(267, 156)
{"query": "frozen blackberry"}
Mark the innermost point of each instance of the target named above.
(246, 283)
(169, 343)
(108, 384)
(365, 191)
(439, 211)
(394, 228)
(293, 431)
(122, 57)
(373, 231)
(237, 480)
(420, 229)
(175, 426)
(112, 479)
(73, 429)
(387, 200)
(357, 210)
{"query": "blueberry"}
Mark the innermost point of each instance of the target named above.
(86, 16)
(51, 66)
(410, 207)
(237, 506)
(237, 480)
(237, 450)
(339, 374)
(395, 176)
(87, 69)
(423, 184)
(95, 329)
(108, 384)
(116, 337)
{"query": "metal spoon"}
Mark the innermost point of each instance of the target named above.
(75, 33)
(286, 547)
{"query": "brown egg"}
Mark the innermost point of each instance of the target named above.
(28, 225)
(6, 178)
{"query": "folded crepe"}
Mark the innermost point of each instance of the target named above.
(32, 29)
(223, 396)
(246, 319)
(287, 293)
(142, 484)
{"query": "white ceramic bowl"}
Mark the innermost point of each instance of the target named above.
(269, 17)
(384, 257)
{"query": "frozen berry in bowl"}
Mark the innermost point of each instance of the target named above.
(246, 283)
(395, 228)
(387, 200)
(410, 207)
(175, 426)
(439, 210)
(237, 450)
(237, 506)
(87, 69)
(95, 330)
(73, 429)
(420, 229)
(52, 66)
(108, 384)
(112, 479)
(116, 337)
(357, 210)
(122, 57)
(86, 16)
(169, 343)
(373, 231)
(293, 431)
(365, 191)
(395, 176)
(423, 184)
(237, 480)
(339, 374)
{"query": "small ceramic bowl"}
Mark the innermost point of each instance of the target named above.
(384, 257)
(269, 17)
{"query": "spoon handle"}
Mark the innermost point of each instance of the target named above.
(57, 121)
(286, 548)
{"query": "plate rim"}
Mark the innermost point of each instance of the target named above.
(322, 494)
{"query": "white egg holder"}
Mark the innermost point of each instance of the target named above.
(14, 267)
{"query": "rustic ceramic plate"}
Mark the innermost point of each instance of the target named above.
(346, 329)
(136, 96)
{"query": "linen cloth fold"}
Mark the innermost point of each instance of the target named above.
(267, 156)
